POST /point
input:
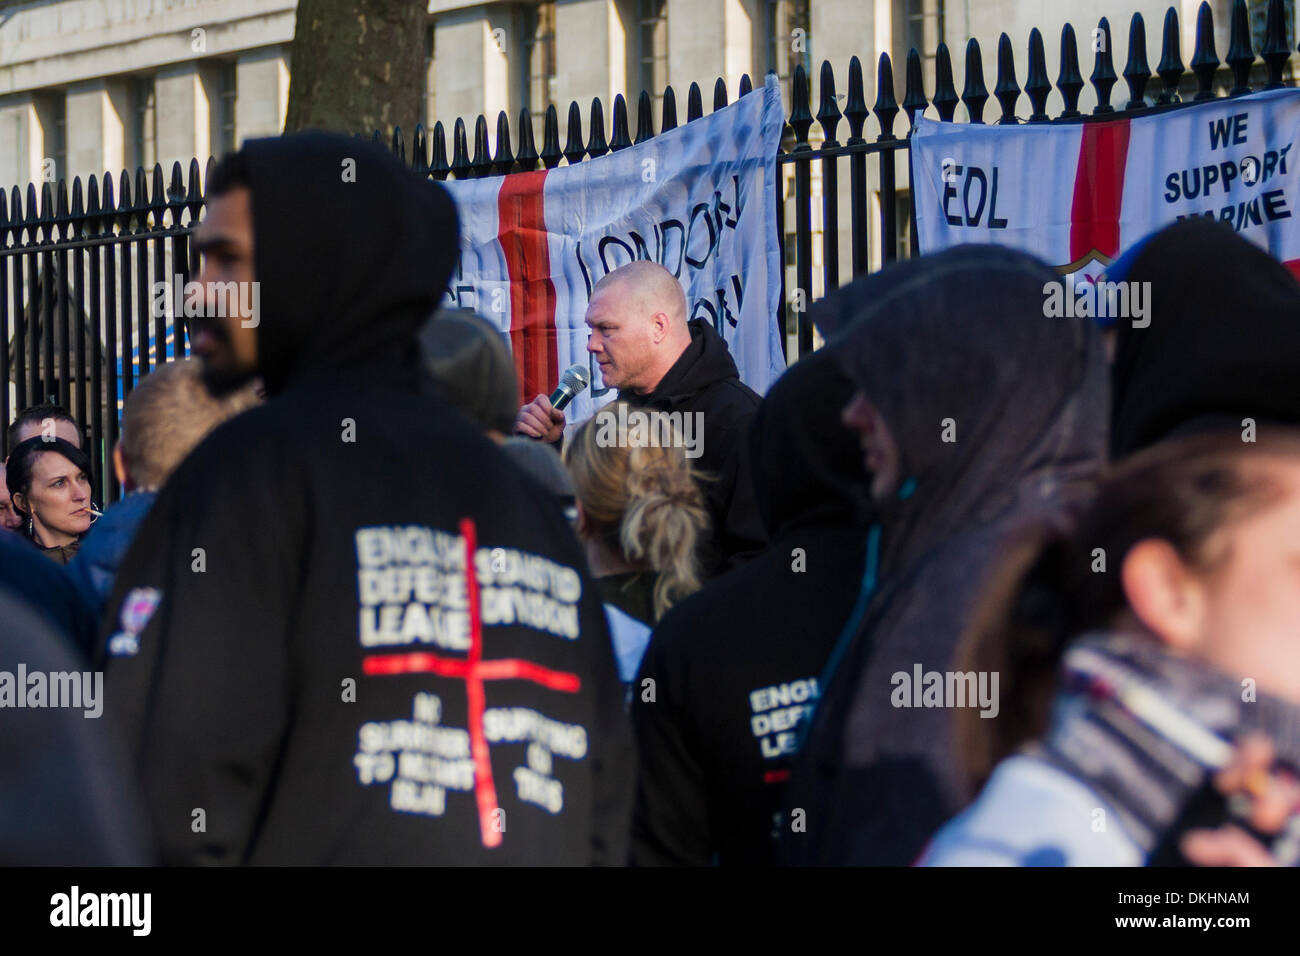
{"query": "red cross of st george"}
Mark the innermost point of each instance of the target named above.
(474, 671)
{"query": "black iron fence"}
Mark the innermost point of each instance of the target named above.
(80, 324)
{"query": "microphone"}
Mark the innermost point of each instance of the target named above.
(572, 383)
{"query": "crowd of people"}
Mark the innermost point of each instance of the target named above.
(970, 585)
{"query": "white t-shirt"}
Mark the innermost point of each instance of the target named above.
(1031, 813)
(630, 638)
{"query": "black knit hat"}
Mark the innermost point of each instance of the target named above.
(1222, 344)
(473, 365)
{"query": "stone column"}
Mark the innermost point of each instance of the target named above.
(708, 39)
(21, 143)
(474, 52)
(592, 43)
(262, 93)
(97, 124)
(184, 116)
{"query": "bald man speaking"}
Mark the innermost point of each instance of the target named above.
(647, 349)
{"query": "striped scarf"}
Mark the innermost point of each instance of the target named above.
(1143, 727)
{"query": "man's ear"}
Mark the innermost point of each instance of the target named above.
(662, 325)
(119, 468)
(1163, 592)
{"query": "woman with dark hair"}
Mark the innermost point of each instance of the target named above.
(1144, 648)
(49, 484)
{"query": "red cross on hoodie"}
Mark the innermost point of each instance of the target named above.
(350, 630)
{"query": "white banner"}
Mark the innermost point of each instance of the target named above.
(699, 199)
(1076, 195)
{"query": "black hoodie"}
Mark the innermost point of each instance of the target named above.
(999, 414)
(305, 672)
(736, 665)
(64, 799)
(704, 379)
(1223, 343)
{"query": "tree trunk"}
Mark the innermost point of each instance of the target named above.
(357, 67)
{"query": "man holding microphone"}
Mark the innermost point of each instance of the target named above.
(646, 348)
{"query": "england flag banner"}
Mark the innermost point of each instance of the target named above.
(1078, 195)
(699, 199)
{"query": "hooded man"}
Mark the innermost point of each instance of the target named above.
(305, 670)
(736, 665)
(1222, 344)
(974, 411)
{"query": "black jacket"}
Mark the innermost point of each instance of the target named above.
(704, 379)
(999, 414)
(49, 588)
(64, 799)
(735, 666)
(323, 678)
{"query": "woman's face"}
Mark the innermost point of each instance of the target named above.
(58, 499)
(1250, 626)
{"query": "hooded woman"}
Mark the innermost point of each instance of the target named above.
(49, 485)
(974, 410)
(1126, 683)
